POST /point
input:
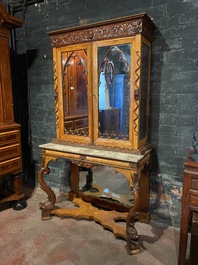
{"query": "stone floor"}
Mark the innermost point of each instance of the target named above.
(26, 240)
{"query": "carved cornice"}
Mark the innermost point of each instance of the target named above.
(118, 28)
(98, 33)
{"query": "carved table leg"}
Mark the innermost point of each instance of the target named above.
(48, 205)
(131, 233)
(74, 181)
(17, 183)
(89, 178)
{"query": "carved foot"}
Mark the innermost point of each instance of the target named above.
(46, 214)
(131, 233)
(132, 240)
(48, 205)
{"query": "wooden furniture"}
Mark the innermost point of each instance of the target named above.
(10, 143)
(189, 203)
(109, 120)
(194, 240)
(102, 84)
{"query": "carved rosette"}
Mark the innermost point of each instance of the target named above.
(129, 28)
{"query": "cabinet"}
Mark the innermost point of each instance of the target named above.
(101, 88)
(100, 67)
(10, 143)
(189, 202)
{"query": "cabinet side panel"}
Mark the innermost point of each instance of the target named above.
(135, 92)
(6, 83)
(1, 101)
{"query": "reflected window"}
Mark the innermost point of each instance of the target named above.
(75, 102)
(114, 91)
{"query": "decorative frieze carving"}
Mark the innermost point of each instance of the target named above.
(128, 28)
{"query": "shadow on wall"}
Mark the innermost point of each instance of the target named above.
(165, 199)
(158, 49)
(164, 202)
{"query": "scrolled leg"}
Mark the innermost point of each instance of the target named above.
(132, 238)
(131, 233)
(46, 206)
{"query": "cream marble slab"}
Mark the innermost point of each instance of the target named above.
(92, 152)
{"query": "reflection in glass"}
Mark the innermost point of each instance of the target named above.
(74, 74)
(108, 185)
(114, 68)
(144, 92)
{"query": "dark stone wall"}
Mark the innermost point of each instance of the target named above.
(174, 83)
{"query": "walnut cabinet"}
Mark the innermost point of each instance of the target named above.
(10, 142)
(103, 67)
(101, 91)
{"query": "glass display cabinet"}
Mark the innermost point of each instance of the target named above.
(102, 84)
(102, 87)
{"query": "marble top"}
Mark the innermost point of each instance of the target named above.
(116, 155)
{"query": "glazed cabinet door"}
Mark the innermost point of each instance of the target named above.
(112, 92)
(73, 93)
(121, 92)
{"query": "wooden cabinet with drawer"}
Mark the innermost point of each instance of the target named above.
(10, 142)
(189, 203)
(10, 150)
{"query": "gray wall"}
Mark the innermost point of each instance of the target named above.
(174, 84)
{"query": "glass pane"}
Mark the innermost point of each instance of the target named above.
(114, 91)
(144, 92)
(75, 102)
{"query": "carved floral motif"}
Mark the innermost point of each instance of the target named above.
(128, 28)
